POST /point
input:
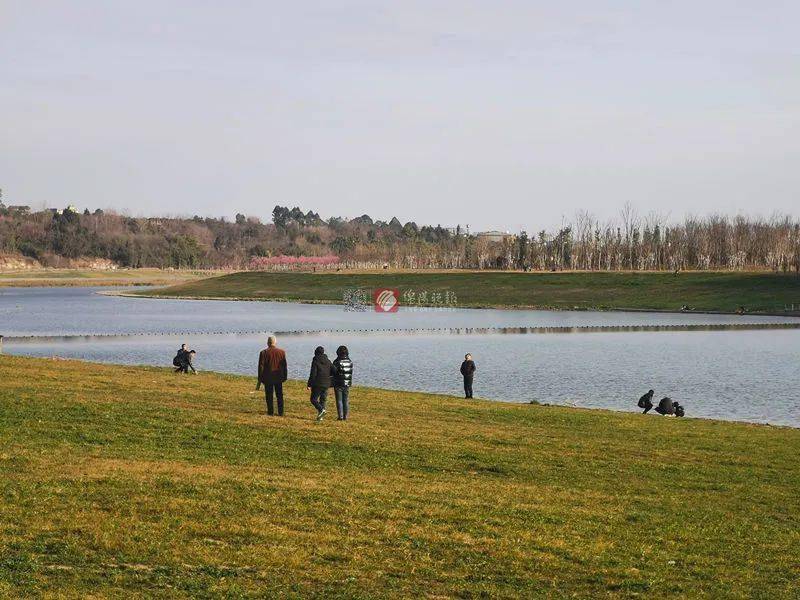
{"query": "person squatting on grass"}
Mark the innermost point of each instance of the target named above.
(667, 407)
(177, 362)
(468, 371)
(319, 380)
(272, 372)
(183, 360)
(342, 380)
(646, 402)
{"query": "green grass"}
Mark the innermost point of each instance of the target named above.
(135, 482)
(713, 291)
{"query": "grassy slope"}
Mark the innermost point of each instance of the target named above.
(135, 482)
(85, 277)
(702, 291)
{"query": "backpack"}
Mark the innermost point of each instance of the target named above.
(176, 362)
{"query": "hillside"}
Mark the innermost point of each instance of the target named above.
(135, 482)
(67, 238)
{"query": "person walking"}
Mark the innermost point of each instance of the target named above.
(319, 380)
(272, 372)
(646, 402)
(468, 371)
(342, 380)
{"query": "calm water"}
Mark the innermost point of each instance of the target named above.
(735, 375)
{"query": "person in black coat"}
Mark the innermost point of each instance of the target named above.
(319, 380)
(646, 402)
(468, 371)
(342, 380)
(177, 362)
(665, 407)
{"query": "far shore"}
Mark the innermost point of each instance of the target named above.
(101, 277)
(690, 292)
(470, 307)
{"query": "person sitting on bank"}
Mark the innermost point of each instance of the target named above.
(665, 407)
(646, 402)
(342, 380)
(319, 380)
(468, 371)
(272, 372)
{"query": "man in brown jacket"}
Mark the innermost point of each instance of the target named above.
(272, 372)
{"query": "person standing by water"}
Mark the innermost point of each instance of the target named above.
(342, 380)
(319, 380)
(272, 372)
(468, 371)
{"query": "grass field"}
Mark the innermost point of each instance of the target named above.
(137, 483)
(85, 277)
(757, 292)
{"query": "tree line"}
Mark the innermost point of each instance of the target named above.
(629, 242)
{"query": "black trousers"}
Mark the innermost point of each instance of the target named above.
(318, 397)
(277, 390)
(468, 387)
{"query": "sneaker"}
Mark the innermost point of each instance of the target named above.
(321, 414)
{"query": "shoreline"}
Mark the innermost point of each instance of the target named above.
(789, 314)
(389, 390)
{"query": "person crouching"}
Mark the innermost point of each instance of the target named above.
(646, 401)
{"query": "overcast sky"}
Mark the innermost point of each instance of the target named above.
(496, 114)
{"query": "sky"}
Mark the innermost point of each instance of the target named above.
(497, 114)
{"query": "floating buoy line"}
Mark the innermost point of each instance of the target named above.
(414, 331)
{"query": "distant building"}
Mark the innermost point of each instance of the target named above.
(495, 236)
(457, 230)
(61, 211)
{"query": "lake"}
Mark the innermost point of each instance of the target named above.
(728, 374)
